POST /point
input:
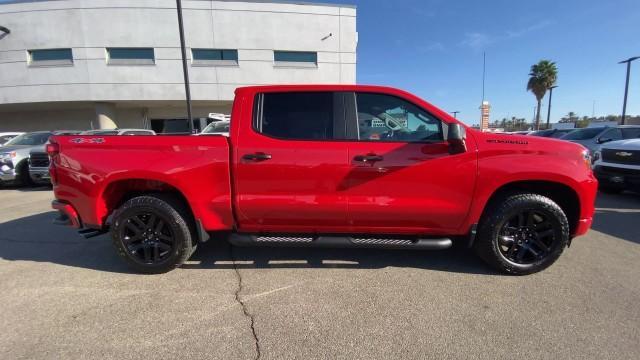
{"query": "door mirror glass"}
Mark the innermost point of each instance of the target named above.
(456, 135)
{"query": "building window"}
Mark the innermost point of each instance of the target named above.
(211, 57)
(50, 57)
(295, 58)
(130, 56)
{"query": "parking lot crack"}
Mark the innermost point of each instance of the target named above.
(243, 305)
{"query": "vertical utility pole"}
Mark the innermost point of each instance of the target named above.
(626, 85)
(455, 114)
(185, 70)
(484, 67)
(549, 109)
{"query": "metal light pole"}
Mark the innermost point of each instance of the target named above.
(549, 109)
(185, 70)
(626, 85)
(455, 114)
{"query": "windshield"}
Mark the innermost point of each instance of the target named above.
(29, 139)
(217, 127)
(583, 134)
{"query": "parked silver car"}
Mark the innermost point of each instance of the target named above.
(593, 137)
(6, 136)
(14, 156)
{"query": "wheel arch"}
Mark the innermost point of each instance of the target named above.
(562, 194)
(117, 192)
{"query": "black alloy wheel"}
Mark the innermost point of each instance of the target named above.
(526, 237)
(522, 233)
(154, 233)
(147, 238)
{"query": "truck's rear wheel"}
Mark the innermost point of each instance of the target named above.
(522, 233)
(152, 233)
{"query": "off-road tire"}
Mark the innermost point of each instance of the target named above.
(499, 211)
(176, 215)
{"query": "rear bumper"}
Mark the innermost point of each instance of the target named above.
(68, 215)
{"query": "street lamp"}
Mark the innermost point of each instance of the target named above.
(626, 85)
(549, 108)
(455, 114)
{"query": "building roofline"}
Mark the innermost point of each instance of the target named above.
(288, 2)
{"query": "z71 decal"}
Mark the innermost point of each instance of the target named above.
(501, 141)
(87, 140)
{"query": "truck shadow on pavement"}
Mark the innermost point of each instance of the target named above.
(618, 215)
(35, 238)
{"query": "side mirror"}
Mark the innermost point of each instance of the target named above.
(603, 140)
(456, 136)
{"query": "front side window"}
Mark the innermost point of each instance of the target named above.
(130, 56)
(612, 134)
(389, 118)
(50, 57)
(297, 115)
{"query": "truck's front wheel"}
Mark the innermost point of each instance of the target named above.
(522, 233)
(152, 233)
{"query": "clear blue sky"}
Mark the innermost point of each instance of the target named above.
(433, 48)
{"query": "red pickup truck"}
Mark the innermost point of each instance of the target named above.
(328, 165)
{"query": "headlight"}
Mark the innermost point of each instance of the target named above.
(6, 157)
(587, 158)
(596, 156)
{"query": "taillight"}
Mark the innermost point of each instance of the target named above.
(53, 149)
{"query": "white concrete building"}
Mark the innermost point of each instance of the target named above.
(79, 64)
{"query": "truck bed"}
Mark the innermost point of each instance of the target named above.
(95, 172)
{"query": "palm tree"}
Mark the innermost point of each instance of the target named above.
(543, 76)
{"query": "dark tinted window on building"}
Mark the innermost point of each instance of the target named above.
(51, 57)
(131, 56)
(295, 57)
(214, 54)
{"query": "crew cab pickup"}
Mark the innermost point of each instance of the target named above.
(328, 165)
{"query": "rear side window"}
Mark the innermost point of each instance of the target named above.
(297, 115)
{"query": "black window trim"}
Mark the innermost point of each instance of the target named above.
(352, 122)
(338, 113)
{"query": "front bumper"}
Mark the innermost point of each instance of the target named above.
(7, 172)
(617, 177)
(40, 175)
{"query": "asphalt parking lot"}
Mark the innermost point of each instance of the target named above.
(63, 296)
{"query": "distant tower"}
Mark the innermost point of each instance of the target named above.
(484, 110)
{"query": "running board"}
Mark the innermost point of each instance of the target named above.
(339, 242)
(89, 233)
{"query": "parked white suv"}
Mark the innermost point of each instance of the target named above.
(617, 165)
